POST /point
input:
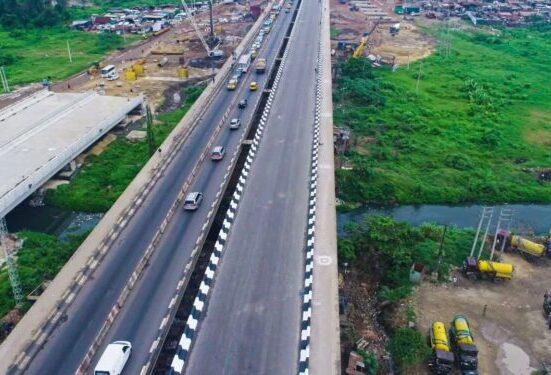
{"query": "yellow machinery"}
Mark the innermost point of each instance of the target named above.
(501, 270)
(183, 72)
(527, 246)
(129, 75)
(439, 337)
(473, 268)
(358, 51)
(138, 69)
(461, 330)
(462, 341)
(441, 361)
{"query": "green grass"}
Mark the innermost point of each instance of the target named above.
(104, 177)
(388, 249)
(35, 54)
(40, 259)
(480, 120)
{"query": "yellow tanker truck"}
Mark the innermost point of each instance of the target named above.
(521, 244)
(485, 269)
(441, 361)
(466, 352)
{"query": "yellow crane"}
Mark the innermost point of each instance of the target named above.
(360, 48)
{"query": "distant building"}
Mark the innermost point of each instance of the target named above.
(82, 25)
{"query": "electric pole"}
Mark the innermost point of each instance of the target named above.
(12, 268)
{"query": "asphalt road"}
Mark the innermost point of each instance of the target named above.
(252, 323)
(143, 312)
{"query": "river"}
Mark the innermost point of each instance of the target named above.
(527, 217)
(51, 220)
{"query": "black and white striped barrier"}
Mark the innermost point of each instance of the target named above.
(304, 354)
(200, 303)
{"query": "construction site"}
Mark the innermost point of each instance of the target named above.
(372, 29)
(186, 53)
(490, 315)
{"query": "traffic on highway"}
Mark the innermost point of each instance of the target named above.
(68, 346)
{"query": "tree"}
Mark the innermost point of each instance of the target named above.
(150, 134)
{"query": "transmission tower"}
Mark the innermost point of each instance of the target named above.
(12, 270)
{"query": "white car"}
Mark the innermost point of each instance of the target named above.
(235, 123)
(113, 76)
(114, 358)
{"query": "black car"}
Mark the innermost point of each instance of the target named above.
(242, 103)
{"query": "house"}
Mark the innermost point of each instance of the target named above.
(82, 25)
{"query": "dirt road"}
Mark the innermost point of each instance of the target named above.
(512, 335)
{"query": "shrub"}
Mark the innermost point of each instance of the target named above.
(408, 347)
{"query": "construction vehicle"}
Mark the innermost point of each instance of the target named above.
(394, 29)
(515, 242)
(261, 66)
(211, 52)
(358, 51)
(485, 269)
(465, 350)
(442, 358)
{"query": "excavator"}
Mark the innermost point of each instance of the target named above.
(358, 51)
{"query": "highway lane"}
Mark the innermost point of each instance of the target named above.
(151, 300)
(70, 341)
(252, 322)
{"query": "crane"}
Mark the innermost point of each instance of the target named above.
(211, 52)
(360, 48)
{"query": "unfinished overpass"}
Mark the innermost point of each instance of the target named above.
(41, 134)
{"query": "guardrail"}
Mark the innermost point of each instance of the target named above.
(173, 143)
(138, 272)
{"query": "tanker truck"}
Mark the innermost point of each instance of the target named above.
(463, 345)
(441, 361)
(519, 243)
(485, 269)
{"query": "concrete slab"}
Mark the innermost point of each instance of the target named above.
(44, 132)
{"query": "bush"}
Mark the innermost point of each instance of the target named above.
(370, 362)
(407, 347)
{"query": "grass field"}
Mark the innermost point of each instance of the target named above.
(479, 123)
(104, 177)
(40, 259)
(34, 54)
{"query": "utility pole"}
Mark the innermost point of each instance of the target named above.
(418, 77)
(150, 134)
(4, 80)
(69, 51)
(12, 269)
(441, 250)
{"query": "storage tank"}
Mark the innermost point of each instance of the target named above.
(183, 72)
(439, 337)
(138, 69)
(503, 270)
(129, 75)
(529, 247)
(462, 331)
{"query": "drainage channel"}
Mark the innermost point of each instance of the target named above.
(163, 363)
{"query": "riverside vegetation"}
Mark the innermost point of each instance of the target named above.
(104, 177)
(480, 120)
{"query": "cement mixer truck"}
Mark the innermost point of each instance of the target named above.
(441, 361)
(466, 353)
(485, 269)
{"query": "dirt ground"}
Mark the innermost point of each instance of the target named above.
(180, 45)
(512, 336)
(408, 45)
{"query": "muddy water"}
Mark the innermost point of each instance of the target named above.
(52, 220)
(513, 360)
(527, 217)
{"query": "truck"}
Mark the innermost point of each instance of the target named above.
(442, 358)
(261, 66)
(517, 243)
(465, 350)
(485, 269)
(244, 63)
